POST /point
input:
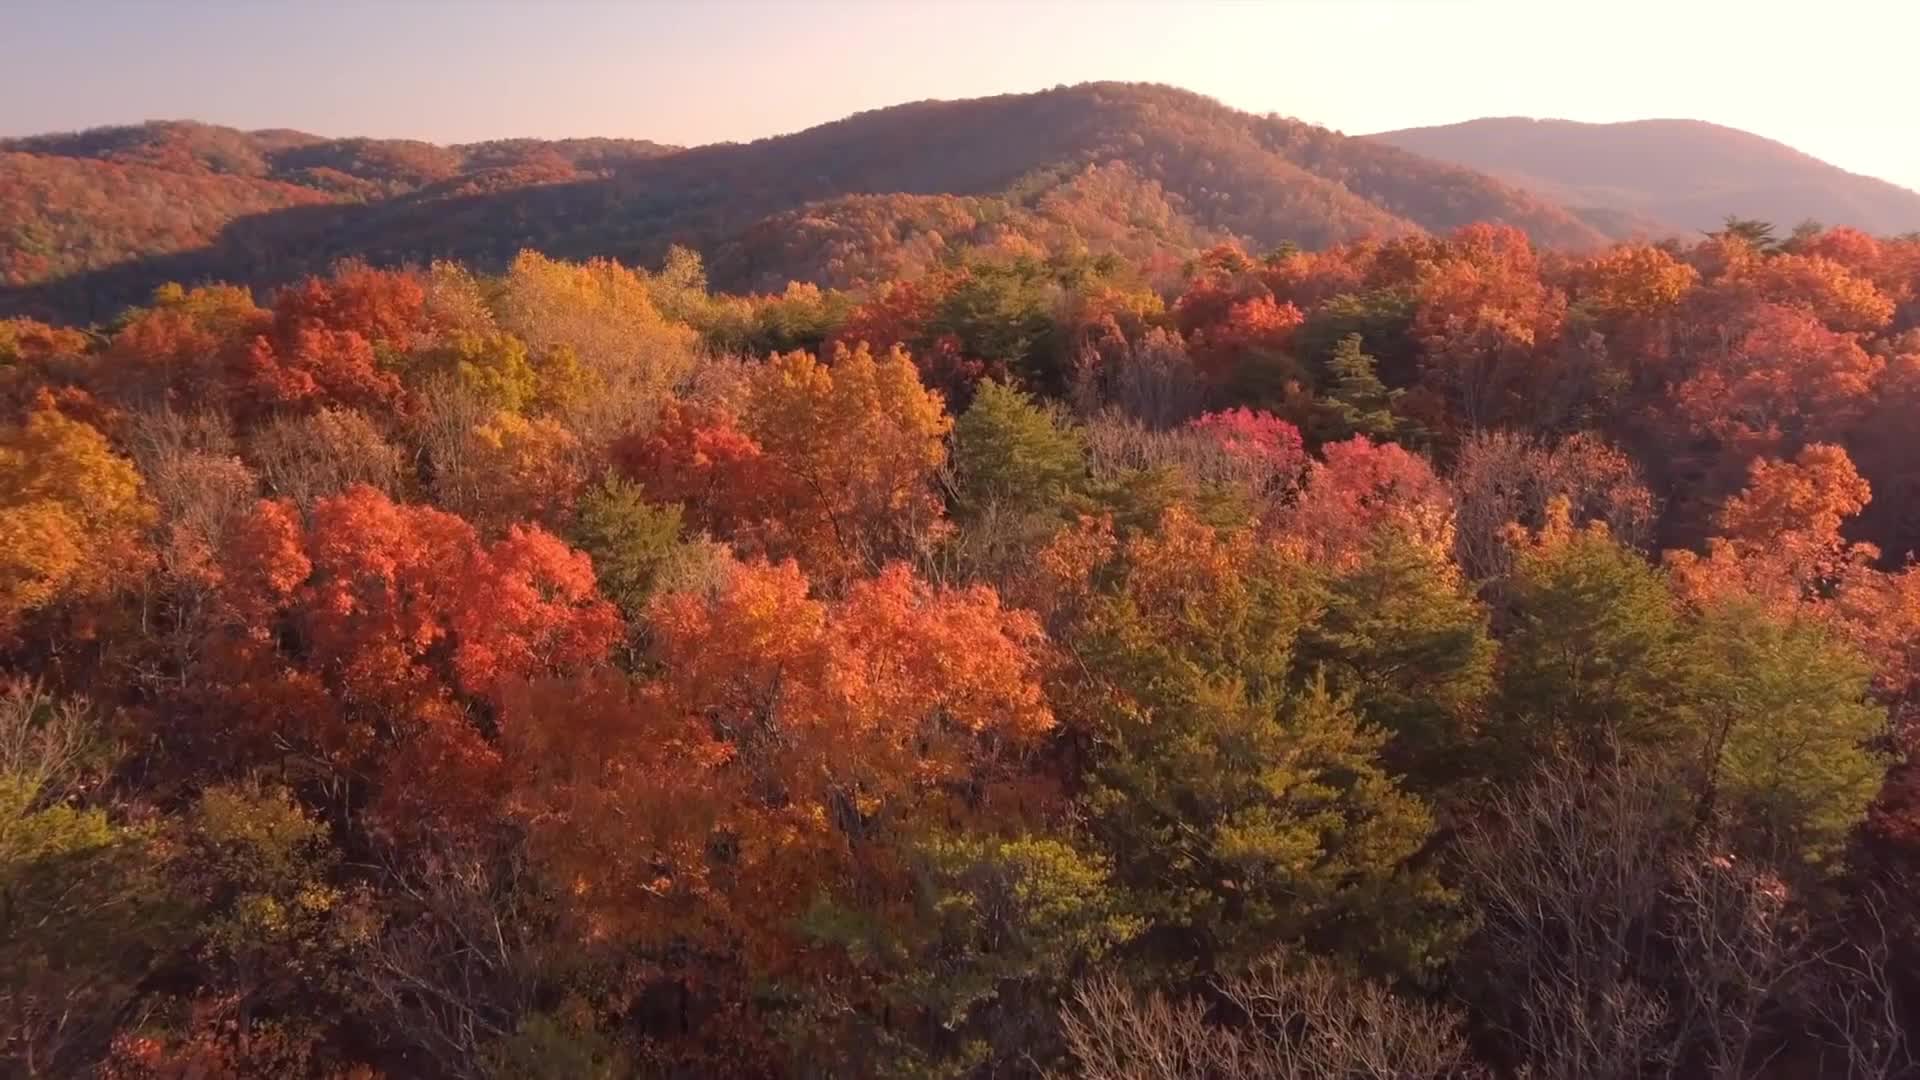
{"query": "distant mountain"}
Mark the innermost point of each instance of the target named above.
(1651, 175)
(93, 220)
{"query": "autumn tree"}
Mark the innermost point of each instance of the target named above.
(789, 761)
(831, 464)
(404, 619)
(1358, 486)
(1484, 319)
(72, 514)
(602, 315)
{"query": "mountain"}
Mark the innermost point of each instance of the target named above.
(1666, 174)
(94, 220)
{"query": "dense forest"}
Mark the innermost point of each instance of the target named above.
(1426, 656)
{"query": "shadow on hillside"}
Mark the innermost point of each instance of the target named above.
(272, 248)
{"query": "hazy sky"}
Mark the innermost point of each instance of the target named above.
(1835, 78)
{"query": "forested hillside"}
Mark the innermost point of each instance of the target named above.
(93, 221)
(1430, 656)
(1666, 175)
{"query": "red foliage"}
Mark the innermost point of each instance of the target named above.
(1256, 436)
(1359, 486)
(386, 307)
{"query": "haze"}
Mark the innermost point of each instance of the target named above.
(1829, 79)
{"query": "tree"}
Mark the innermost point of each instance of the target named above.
(1403, 637)
(788, 747)
(305, 458)
(1780, 380)
(1240, 807)
(72, 514)
(1631, 281)
(1593, 654)
(1781, 541)
(1010, 452)
(1787, 732)
(525, 470)
(1359, 486)
(405, 621)
(601, 315)
(1504, 478)
(1752, 232)
(852, 449)
(85, 910)
(1484, 319)
(633, 542)
(1262, 440)
(1355, 401)
(1302, 1021)
(386, 307)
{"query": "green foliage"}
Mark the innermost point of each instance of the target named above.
(1011, 452)
(1593, 661)
(262, 864)
(679, 288)
(1241, 808)
(1354, 401)
(1003, 313)
(86, 907)
(998, 930)
(1405, 638)
(1383, 318)
(632, 541)
(1753, 232)
(550, 1047)
(1790, 738)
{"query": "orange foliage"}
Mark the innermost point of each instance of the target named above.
(1633, 279)
(795, 734)
(829, 464)
(399, 609)
(386, 307)
(1776, 377)
(1486, 318)
(1832, 293)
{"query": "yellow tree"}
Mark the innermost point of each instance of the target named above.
(71, 513)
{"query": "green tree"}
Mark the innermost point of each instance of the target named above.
(1405, 638)
(632, 541)
(1787, 733)
(1012, 453)
(1003, 314)
(1354, 400)
(970, 974)
(1242, 808)
(1593, 659)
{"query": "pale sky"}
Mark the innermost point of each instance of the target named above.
(1835, 78)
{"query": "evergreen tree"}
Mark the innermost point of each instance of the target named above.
(1355, 401)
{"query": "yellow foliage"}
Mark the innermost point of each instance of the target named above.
(71, 512)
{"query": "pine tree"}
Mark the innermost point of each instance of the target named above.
(1356, 402)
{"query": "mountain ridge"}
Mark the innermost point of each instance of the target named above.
(1150, 172)
(1681, 173)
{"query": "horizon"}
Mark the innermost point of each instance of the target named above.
(451, 73)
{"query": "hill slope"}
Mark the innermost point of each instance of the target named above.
(1684, 174)
(1144, 171)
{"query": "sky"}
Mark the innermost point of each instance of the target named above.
(1834, 78)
